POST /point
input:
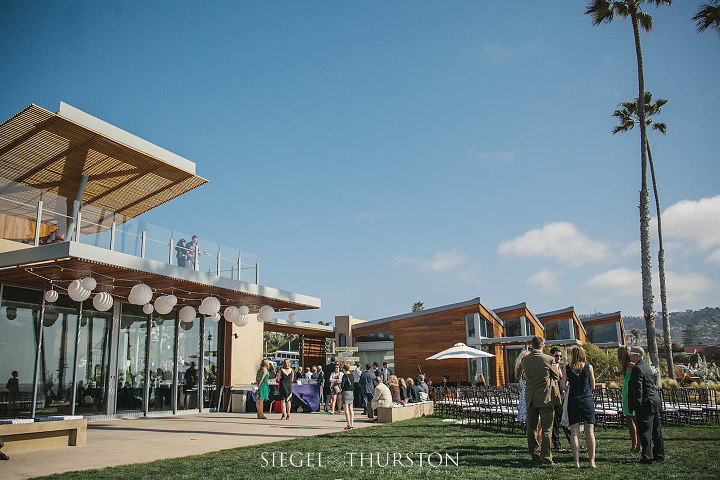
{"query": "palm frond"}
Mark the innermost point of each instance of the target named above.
(708, 17)
(645, 21)
(657, 3)
(660, 127)
(600, 11)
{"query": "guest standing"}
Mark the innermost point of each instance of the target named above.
(263, 392)
(328, 370)
(335, 390)
(644, 400)
(347, 386)
(367, 388)
(386, 372)
(285, 378)
(556, 353)
(623, 356)
(520, 377)
(357, 395)
(541, 396)
(181, 253)
(580, 377)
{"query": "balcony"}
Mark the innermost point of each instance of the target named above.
(32, 217)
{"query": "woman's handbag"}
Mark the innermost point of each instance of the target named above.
(565, 421)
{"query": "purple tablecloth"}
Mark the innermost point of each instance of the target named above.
(306, 397)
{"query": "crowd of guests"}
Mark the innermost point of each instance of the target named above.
(561, 398)
(342, 388)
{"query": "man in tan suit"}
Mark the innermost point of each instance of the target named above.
(541, 396)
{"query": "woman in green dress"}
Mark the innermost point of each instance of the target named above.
(623, 356)
(263, 392)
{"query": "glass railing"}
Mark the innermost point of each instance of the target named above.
(22, 206)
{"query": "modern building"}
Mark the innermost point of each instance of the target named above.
(71, 190)
(406, 340)
(605, 330)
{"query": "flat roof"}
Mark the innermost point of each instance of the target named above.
(60, 263)
(43, 155)
(452, 306)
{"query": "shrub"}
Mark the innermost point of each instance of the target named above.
(604, 362)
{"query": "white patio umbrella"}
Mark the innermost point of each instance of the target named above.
(460, 351)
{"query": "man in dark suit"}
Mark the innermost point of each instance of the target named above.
(644, 400)
(386, 372)
(367, 388)
(327, 371)
(541, 395)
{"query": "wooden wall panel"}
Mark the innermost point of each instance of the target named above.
(419, 337)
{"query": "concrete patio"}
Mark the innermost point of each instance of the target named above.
(125, 441)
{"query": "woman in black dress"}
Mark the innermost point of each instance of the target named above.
(285, 378)
(580, 379)
(181, 253)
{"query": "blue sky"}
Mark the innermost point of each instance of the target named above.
(375, 154)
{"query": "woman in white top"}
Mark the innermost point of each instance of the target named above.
(335, 381)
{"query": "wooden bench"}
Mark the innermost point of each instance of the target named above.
(397, 413)
(21, 437)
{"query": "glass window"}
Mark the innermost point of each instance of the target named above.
(342, 340)
(485, 328)
(605, 333)
(470, 322)
(211, 362)
(379, 356)
(188, 350)
(93, 362)
(513, 327)
(384, 336)
(558, 330)
(19, 317)
(162, 365)
(530, 327)
(57, 356)
(131, 358)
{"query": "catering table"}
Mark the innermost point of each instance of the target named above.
(305, 398)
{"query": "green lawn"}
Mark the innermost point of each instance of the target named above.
(692, 454)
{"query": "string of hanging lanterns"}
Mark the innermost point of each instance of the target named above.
(80, 290)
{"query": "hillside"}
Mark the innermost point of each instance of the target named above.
(706, 323)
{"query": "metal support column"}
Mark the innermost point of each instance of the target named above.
(113, 361)
(112, 236)
(38, 354)
(257, 274)
(170, 252)
(143, 239)
(73, 396)
(146, 390)
(201, 363)
(176, 366)
(38, 222)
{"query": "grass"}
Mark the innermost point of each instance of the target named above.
(691, 453)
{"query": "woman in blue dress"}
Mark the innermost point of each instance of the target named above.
(580, 377)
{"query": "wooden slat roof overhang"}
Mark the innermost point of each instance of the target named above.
(60, 263)
(50, 152)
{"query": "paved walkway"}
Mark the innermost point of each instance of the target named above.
(118, 442)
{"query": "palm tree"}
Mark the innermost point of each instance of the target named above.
(418, 306)
(708, 17)
(603, 11)
(628, 117)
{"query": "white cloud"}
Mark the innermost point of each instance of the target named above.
(682, 288)
(546, 281)
(697, 222)
(623, 281)
(632, 249)
(440, 262)
(471, 275)
(560, 241)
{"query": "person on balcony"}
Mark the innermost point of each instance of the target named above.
(181, 253)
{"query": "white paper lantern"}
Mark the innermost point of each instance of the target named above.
(51, 296)
(243, 309)
(209, 306)
(103, 301)
(89, 283)
(140, 294)
(171, 300)
(187, 314)
(148, 309)
(266, 314)
(241, 321)
(231, 314)
(77, 292)
(292, 318)
(161, 306)
(215, 317)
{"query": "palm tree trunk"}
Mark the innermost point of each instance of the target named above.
(661, 268)
(645, 255)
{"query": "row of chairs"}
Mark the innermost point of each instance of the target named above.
(498, 406)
